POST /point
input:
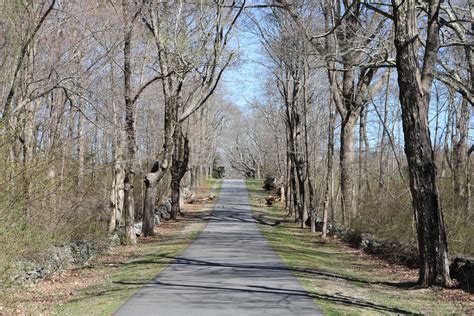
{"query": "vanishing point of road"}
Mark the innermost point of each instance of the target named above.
(230, 269)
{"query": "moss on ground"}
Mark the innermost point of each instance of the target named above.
(341, 279)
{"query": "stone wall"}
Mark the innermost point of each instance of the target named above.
(58, 258)
(394, 252)
(461, 268)
(76, 253)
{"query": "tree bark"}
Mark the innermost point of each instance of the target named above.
(116, 196)
(383, 139)
(118, 172)
(130, 237)
(288, 200)
(80, 146)
(178, 170)
(415, 91)
(329, 174)
(346, 157)
(161, 166)
(459, 159)
(363, 160)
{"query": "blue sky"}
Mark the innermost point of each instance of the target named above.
(243, 82)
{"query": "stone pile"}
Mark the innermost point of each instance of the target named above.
(462, 269)
(273, 184)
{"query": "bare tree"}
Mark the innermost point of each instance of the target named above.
(415, 84)
(199, 66)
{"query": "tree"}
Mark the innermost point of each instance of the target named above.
(343, 46)
(25, 50)
(130, 16)
(415, 84)
(195, 58)
(129, 212)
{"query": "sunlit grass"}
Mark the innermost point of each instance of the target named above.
(341, 281)
(106, 297)
(107, 281)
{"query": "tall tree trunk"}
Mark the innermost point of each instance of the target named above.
(118, 172)
(161, 165)
(459, 160)
(117, 194)
(295, 188)
(178, 170)
(312, 205)
(468, 180)
(302, 209)
(363, 160)
(346, 158)
(288, 200)
(311, 209)
(80, 146)
(329, 174)
(117, 191)
(295, 192)
(27, 143)
(415, 91)
(129, 237)
(383, 139)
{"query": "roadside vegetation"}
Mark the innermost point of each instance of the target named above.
(99, 125)
(107, 281)
(113, 114)
(343, 280)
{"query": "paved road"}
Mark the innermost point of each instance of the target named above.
(230, 269)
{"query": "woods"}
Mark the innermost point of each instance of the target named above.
(368, 55)
(101, 122)
(363, 114)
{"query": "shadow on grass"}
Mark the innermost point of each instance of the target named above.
(119, 287)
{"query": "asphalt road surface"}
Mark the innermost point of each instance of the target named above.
(230, 269)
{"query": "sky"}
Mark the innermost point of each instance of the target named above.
(243, 82)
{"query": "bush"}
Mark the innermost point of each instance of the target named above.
(50, 211)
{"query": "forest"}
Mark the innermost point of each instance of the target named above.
(358, 115)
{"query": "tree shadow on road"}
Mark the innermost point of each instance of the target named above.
(188, 261)
(254, 289)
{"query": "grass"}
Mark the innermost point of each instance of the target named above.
(106, 297)
(213, 185)
(342, 280)
(108, 281)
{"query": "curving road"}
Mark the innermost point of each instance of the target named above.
(230, 269)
